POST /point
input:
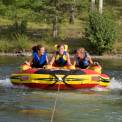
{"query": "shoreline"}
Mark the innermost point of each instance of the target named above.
(24, 54)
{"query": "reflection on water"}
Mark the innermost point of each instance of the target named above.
(95, 105)
(111, 63)
(35, 105)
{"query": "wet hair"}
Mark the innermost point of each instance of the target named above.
(36, 48)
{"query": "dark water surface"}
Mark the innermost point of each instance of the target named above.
(95, 105)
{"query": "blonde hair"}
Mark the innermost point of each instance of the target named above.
(81, 50)
(64, 45)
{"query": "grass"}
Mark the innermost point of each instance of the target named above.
(36, 25)
(72, 30)
(4, 21)
(41, 34)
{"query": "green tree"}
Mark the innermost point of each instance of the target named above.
(100, 32)
(53, 12)
(8, 2)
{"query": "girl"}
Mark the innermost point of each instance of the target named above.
(61, 57)
(82, 59)
(39, 57)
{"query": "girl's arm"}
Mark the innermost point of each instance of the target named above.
(68, 59)
(52, 60)
(74, 61)
(47, 60)
(29, 62)
(90, 60)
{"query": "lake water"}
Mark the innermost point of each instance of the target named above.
(90, 105)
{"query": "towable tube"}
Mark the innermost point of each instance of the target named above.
(67, 78)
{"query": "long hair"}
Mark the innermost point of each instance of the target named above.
(36, 48)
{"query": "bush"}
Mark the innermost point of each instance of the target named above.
(22, 42)
(19, 27)
(5, 46)
(100, 32)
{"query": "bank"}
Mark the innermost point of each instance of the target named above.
(28, 54)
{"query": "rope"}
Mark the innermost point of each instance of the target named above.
(54, 108)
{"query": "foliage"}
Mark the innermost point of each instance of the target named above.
(19, 27)
(37, 19)
(8, 2)
(5, 46)
(22, 42)
(52, 12)
(100, 32)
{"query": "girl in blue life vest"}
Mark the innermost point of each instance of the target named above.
(61, 57)
(39, 59)
(82, 59)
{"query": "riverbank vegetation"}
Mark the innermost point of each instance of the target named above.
(24, 23)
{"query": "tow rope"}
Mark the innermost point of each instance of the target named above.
(55, 103)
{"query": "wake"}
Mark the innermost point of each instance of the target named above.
(6, 83)
(114, 85)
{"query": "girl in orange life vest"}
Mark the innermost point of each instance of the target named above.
(61, 57)
(82, 59)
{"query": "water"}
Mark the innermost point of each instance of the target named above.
(90, 105)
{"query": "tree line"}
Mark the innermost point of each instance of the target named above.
(52, 12)
(55, 12)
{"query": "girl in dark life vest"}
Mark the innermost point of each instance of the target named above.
(61, 57)
(82, 59)
(39, 57)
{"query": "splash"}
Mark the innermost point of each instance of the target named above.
(115, 84)
(100, 89)
(6, 83)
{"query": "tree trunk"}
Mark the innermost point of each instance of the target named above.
(72, 15)
(92, 5)
(55, 27)
(100, 6)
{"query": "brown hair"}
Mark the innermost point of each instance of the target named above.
(36, 48)
(80, 50)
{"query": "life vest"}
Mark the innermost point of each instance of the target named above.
(84, 63)
(60, 60)
(38, 62)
